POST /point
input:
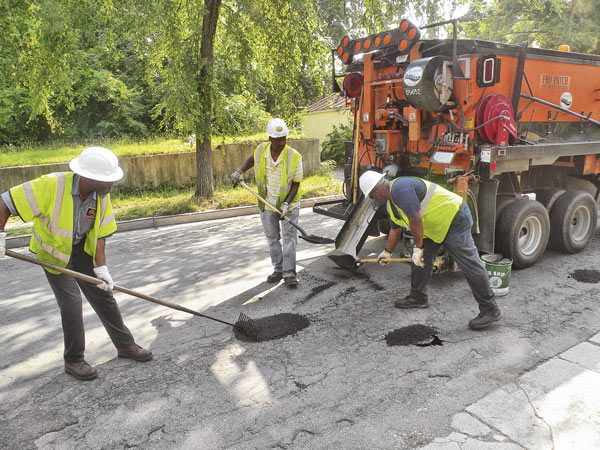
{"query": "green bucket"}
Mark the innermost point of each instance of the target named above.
(498, 269)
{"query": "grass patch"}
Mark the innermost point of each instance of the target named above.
(57, 152)
(170, 200)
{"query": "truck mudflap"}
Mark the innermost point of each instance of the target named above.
(484, 215)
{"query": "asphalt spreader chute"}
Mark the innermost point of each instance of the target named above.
(244, 324)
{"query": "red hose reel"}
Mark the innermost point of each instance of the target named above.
(500, 131)
(352, 85)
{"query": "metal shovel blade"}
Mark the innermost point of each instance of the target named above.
(316, 239)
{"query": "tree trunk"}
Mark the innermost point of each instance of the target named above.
(204, 177)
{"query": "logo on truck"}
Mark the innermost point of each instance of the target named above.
(549, 81)
(566, 100)
(412, 76)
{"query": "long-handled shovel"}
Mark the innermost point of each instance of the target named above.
(307, 237)
(350, 262)
(247, 325)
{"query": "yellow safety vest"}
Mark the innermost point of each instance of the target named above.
(48, 201)
(438, 208)
(290, 161)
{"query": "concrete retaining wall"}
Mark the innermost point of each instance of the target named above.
(153, 170)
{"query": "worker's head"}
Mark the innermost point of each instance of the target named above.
(99, 169)
(374, 185)
(277, 131)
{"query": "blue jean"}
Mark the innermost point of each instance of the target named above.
(282, 238)
(459, 243)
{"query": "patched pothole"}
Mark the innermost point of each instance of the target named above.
(586, 276)
(419, 335)
(274, 327)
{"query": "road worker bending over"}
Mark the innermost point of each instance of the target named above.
(72, 216)
(435, 217)
(278, 173)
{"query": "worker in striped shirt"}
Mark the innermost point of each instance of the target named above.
(278, 173)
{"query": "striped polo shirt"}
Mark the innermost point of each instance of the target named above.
(274, 170)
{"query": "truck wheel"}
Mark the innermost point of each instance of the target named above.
(573, 221)
(522, 232)
(549, 196)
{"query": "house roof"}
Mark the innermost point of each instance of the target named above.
(332, 101)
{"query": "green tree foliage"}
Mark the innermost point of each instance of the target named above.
(239, 114)
(272, 49)
(542, 23)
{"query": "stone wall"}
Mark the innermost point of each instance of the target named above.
(153, 170)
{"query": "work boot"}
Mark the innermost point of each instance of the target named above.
(410, 302)
(291, 281)
(485, 319)
(136, 352)
(81, 370)
(275, 277)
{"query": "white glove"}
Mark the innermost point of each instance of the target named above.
(102, 273)
(417, 257)
(284, 208)
(384, 255)
(237, 176)
(2, 243)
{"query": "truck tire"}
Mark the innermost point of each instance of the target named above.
(548, 198)
(573, 221)
(502, 201)
(522, 232)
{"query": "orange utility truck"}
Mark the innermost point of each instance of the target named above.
(511, 129)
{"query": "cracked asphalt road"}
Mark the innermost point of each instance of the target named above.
(333, 385)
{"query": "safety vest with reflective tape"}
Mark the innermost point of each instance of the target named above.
(48, 201)
(290, 161)
(438, 208)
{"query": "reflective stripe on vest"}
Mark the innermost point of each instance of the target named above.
(52, 222)
(438, 208)
(289, 167)
(48, 202)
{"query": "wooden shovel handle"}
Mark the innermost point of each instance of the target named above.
(374, 260)
(96, 281)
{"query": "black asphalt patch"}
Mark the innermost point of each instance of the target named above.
(420, 335)
(275, 327)
(586, 276)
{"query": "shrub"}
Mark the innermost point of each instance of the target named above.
(333, 146)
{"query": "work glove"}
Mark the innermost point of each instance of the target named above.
(284, 207)
(237, 176)
(102, 273)
(417, 257)
(2, 243)
(384, 255)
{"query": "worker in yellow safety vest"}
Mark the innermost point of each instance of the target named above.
(435, 217)
(72, 217)
(278, 173)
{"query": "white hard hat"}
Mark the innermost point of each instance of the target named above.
(277, 128)
(369, 180)
(97, 163)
